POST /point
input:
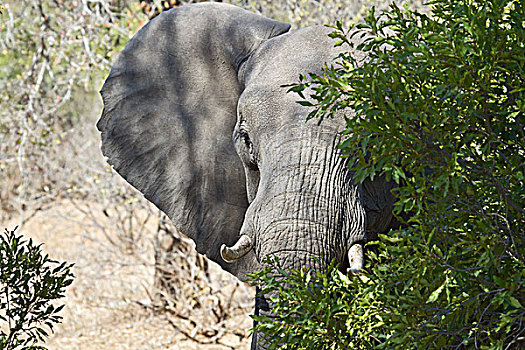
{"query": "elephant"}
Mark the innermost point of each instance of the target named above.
(198, 119)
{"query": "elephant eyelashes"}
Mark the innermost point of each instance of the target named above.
(243, 135)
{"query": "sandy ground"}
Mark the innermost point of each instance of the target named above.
(109, 304)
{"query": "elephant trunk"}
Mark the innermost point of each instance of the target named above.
(307, 211)
(307, 208)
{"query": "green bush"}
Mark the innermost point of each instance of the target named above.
(311, 309)
(439, 109)
(30, 282)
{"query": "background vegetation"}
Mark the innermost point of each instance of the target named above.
(439, 109)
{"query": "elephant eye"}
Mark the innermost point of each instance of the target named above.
(245, 148)
(242, 134)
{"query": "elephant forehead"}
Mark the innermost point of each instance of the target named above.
(279, 61)
(282, 59)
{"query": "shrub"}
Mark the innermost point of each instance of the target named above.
(30, 282)
(439, 106)
(310, 310)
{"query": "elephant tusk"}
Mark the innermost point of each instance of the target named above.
(238, 250)
(355, 257)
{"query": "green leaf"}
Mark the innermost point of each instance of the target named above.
(514, 302)
(435, 294)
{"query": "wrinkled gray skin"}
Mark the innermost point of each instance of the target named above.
(189, 80)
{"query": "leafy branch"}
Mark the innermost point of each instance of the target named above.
(30, 282)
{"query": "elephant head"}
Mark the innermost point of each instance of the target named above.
(196, 118)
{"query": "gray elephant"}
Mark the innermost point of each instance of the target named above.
(190, 79)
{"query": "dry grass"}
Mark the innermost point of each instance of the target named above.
(111, 304)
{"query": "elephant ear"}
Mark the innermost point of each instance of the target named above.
(170, 105)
